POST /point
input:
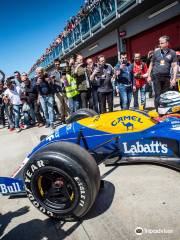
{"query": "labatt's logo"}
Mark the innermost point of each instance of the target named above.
(125, 118)
(153, 147)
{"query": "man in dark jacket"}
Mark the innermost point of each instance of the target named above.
(30, 99)
(103, 74)
(2, 117)
(83, 85)
(163, 61)
(125, 81)
(46, 97)
(94, 100)
(59, 92)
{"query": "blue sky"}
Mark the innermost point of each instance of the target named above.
(27, 27)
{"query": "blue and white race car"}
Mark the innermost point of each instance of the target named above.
(61, 175)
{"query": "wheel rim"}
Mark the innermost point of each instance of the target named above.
(56, 190)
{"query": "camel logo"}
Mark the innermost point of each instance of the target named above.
(128, 125)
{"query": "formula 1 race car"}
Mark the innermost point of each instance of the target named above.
(61, 176)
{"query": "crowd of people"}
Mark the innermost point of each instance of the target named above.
(71, 24)
(83, 83)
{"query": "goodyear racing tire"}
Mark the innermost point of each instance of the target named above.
(62, 180)
(80, 114)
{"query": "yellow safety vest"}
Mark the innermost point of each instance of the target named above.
(71, 89)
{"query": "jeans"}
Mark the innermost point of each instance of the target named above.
(142, 94)
(9, 113)
(16, 113)
(47, 104)
(84, 98)
(125, 94)
(73, 104)
(103, 97)
(2, 117)
(37, 110)
(95, 99)
(61, 102)
(30, 115)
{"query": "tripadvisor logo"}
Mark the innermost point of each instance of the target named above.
(152, 147)
(138, 231)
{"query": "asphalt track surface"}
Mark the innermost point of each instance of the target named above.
(144, 196)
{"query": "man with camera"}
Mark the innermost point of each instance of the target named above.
(103, 74)
(94, 99)
(140, 75)
(12, 99)
(2, 117)
(70, 85)
(83, 85)
(59, 91)
(124, 81)
(30, 106)
(46, 96)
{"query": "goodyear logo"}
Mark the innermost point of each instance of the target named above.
(126, 118)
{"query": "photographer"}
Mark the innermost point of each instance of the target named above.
(2, 117)
(140, 75)
(60, 97)
(83, 84)
(45, 89)
(124, 81)
(13, 104)
(72, 93)
(30, 107)
(102, 74)
(94, 100)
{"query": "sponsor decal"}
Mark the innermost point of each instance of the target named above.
(175, 124)
(69, 126)
(11, 188)
(52, 136)
(82, 191)
(128, 125)
(32, 169)
(36, 204)
(153, 147)
(96, 118)
(29, 173)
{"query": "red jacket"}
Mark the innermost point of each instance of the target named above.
(139, 69)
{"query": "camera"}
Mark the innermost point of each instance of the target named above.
(64, 64)
(124, 61)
